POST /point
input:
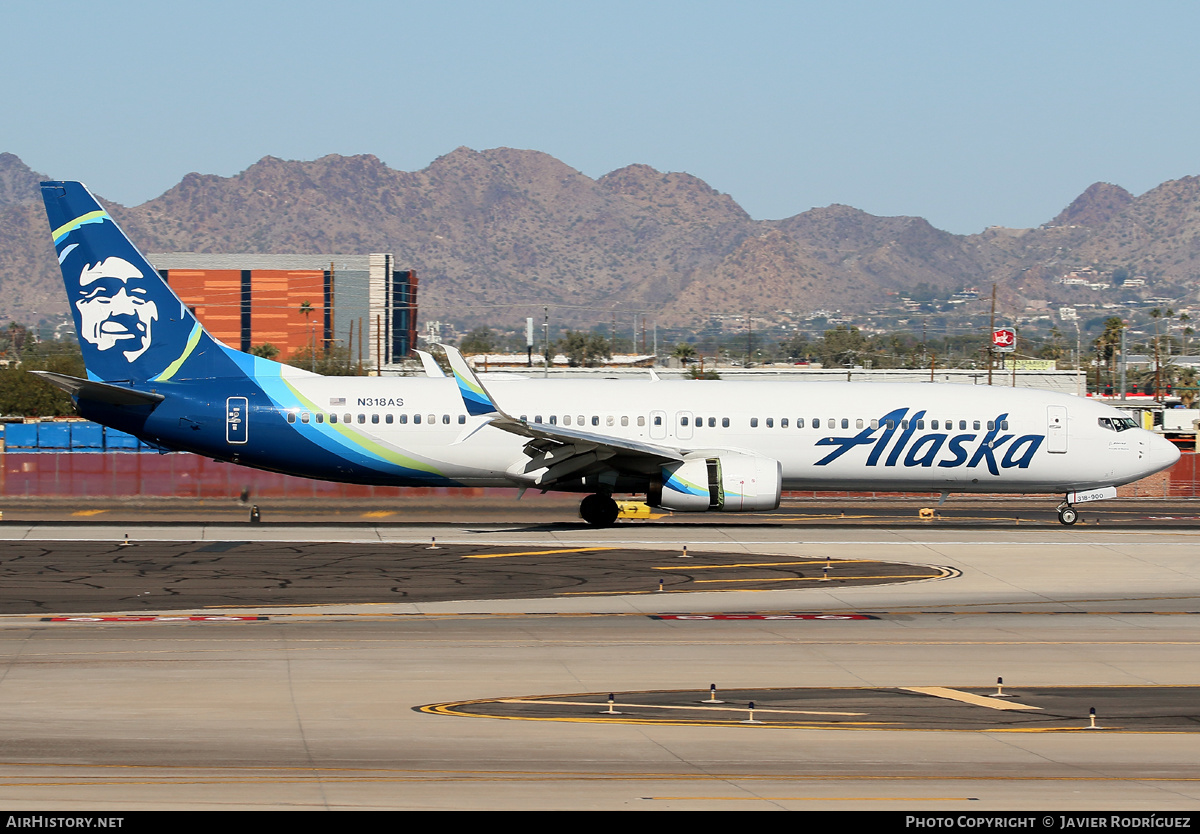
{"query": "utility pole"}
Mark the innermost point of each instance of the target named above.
(991, 335)
(1123, 331)
(749, 338)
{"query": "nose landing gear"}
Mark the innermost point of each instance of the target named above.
(1067, 514)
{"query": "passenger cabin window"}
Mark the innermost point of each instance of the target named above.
(724, 422)
(375, 419)
(462, 419)
(753, 422)
(291, 416)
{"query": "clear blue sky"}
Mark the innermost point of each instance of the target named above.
(969, 114)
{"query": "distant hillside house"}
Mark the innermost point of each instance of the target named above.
(300, 302)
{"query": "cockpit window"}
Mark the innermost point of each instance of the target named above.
(1117, 423)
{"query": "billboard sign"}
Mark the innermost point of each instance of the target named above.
(1004, 340)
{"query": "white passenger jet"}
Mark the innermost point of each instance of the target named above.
(153, 371)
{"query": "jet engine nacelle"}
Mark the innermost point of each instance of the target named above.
(730, 483)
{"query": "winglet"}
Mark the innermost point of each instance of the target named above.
(475, 397)
(432, 369)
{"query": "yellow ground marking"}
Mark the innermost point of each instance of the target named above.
(699, 707)
(966, 697)
(88, 512)
(812, 798)
(600, 718)
(822, 579)
(772, 564)
(379, 514)
(537, 552)
(801, 516)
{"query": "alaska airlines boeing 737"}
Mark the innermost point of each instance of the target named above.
(153, 371)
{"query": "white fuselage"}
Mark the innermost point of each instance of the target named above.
(954, 438)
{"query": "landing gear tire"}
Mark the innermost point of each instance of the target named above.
(1067, 515)
(599, 510)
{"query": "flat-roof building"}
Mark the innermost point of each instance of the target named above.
(300, 303)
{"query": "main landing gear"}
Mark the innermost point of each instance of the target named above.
(599, 510)
(1067, 514)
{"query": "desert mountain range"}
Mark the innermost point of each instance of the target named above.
(494, 235)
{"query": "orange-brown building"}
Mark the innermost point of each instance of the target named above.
(288, 301)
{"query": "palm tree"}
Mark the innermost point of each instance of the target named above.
(684, 352)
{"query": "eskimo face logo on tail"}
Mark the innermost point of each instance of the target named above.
(115, 308)
(890, 444)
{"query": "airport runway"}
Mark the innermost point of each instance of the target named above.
(445, 702)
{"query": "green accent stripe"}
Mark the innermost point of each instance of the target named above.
(173, 368)
(90, 217)
(363, 441)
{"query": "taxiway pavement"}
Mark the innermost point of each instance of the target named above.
(318, 705)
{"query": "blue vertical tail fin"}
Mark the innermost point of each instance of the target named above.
(131, 326)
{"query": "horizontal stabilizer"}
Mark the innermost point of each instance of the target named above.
(101, 392)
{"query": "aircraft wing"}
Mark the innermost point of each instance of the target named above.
(559, 450)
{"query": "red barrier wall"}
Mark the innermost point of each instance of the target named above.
(117, 474)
